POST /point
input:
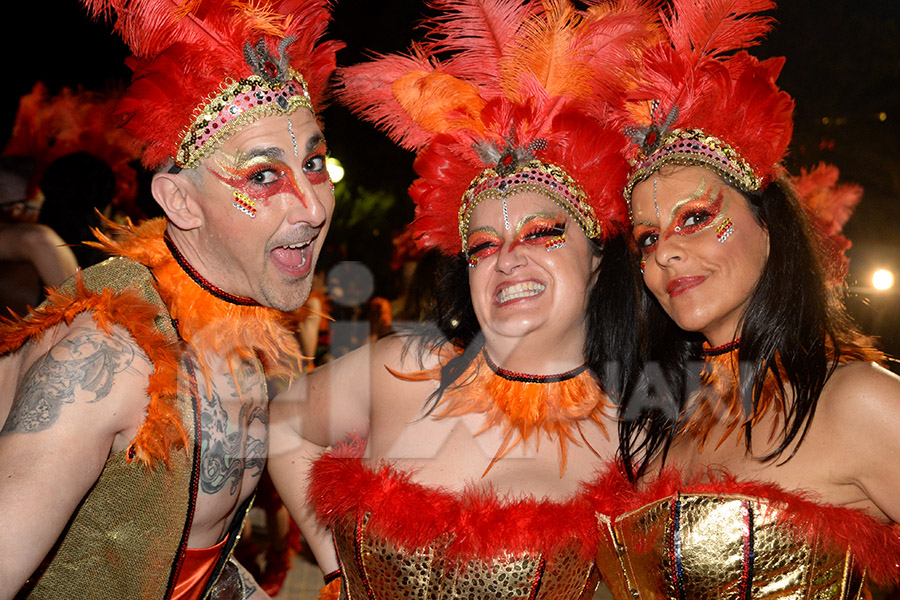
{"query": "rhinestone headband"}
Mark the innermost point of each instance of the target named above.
(694, 147)
(238, 104)
(532, 176)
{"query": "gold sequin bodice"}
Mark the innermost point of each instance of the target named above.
(702, 546)
(397, 539)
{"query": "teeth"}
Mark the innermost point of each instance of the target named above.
(300, 245)
(520, 290)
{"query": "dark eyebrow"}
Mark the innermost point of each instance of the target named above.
(313, 141)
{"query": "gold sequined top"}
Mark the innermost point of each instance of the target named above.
(397, 539)
(734, 540)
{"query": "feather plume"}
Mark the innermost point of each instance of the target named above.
(476, 34)
(184, 51)
(708, 29)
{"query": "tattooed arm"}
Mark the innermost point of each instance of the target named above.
(81, 395)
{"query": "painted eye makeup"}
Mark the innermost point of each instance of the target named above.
(695, 216)
(259, 179)
(646, 239)
(314, 165)
(482, 244)
(538, 230)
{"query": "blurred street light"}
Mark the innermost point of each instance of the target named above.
(882, 279)
(335, 170)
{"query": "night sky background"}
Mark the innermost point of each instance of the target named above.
(843, 70)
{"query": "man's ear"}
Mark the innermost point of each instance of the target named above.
(177, 195)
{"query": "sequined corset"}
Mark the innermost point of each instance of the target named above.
(397, 539)
(719, 546)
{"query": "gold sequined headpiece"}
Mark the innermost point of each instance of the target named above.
(237, 105)
(508, 97)
(548, 180)
(694, 147)
(700, 99)
(203, 69)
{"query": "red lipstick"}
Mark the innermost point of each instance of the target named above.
(678, 286)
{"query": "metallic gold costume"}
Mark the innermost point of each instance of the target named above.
(724, 539)
(398, 539)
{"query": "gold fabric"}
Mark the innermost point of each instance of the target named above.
(126, 536)
(376, 569)
(704, 546)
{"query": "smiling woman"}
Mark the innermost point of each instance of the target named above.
(495, 414)
(785, 445)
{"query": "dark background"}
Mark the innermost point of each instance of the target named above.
(843, 69)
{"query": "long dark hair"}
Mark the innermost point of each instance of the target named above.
(611, 348)
(793, 318)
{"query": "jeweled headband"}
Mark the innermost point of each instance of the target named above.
(694, 147)
(533, 176)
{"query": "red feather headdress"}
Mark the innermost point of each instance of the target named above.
(205, 68)
(829, 206)
(702, 100)
(505, 96)
(49, 127)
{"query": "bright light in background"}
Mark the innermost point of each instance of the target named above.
(883, 279)
(335, 170)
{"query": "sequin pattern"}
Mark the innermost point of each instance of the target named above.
(701, 546)
(694, 147)
(535, 177)
(237, 104)
(377, 569)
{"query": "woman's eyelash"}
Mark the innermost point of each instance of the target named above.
(547, 231)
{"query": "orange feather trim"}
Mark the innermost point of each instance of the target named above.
(331, 590)
(162, 429)
(720, 399)
(522, 409)
(211, 326)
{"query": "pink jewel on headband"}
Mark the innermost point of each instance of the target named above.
(724, 230)
(243, 203)
(556, 242)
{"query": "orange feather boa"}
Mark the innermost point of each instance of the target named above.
(523, 409)
(211, 327)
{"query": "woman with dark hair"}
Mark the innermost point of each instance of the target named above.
(460, 450)
(768, 439)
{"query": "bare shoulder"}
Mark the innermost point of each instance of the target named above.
(78, 368)
(861, 391)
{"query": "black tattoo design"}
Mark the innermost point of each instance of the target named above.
(249, 584)
(227, 453)
(82, 366)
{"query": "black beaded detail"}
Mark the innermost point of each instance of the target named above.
(202, 282)
(526, 378)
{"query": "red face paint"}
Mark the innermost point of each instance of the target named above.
(263, 177)
(688, 217)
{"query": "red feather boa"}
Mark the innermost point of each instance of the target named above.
(480, 523)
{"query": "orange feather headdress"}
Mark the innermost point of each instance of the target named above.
(505, 96)
(702, 100)
(829, 206)
(205, 68)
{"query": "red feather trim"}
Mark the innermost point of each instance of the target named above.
(185, 50)
(162, 429)
(511, 69)
(480, 523)
(726, 94)
(875, 546)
